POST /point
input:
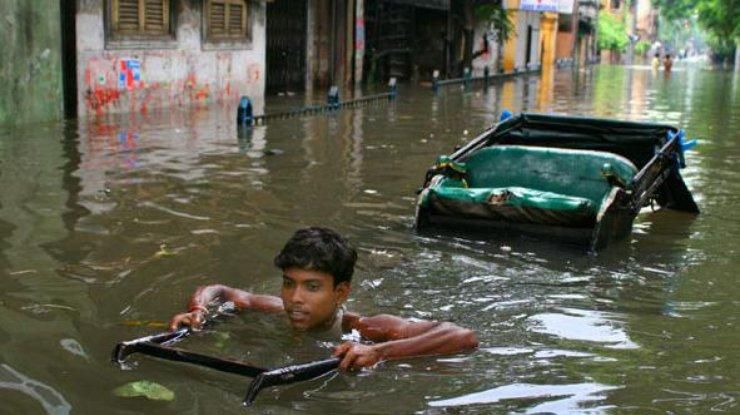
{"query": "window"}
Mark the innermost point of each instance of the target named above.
(226, 20)
(140, 17)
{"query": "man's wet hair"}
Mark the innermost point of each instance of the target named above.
(319, 249)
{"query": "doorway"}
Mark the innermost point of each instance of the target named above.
(286, 46)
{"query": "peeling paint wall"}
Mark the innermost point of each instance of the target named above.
(137, 76)
(515, 49)
(486, 48)
(30, 61)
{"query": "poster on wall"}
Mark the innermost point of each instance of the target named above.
(539, 5)
(565, 6)
(130, 74)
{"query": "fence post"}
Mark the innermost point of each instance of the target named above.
(393, 85)
(333, 98)
(244, 115)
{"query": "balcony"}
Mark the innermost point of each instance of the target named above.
(588, 10)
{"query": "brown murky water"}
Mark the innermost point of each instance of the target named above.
(106, 227)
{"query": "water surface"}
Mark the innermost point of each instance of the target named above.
(107, 226)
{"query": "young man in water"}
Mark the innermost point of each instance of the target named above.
(317, 266)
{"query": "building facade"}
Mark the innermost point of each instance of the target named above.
(97, 57)
(534, 37)
(137, 55)
(30, 62)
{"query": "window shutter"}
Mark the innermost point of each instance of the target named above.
(155, 16)
(236, 20)
(127, 14)
(217, 24)
(227, 18)
(137, 17)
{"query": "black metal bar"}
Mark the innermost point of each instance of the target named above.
(463, 80)
(289, 374)
(312, 109)
(657, 158)
(156, 346)
(655, 172)
(185, 356)
(124, 349)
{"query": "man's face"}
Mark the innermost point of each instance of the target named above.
(310, 298)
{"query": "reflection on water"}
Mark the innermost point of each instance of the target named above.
(558, 399)
(583, 325)
(107, 226)
(52, 402)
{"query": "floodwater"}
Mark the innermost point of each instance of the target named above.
(106, 227)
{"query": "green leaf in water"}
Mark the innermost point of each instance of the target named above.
(222, 339)
(145, 388)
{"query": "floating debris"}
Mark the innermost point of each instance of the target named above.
(74, 347)
(163, 252)
(145, 388)
(157, 324)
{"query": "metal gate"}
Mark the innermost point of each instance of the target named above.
(286, 46)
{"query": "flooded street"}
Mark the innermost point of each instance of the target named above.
(107, 227)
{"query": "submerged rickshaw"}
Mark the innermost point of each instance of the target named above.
(573, 178)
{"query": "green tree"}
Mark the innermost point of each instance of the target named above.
(720, 19)
(612, 32)
(495, 15)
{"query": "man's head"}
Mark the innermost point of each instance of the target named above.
(317, 266)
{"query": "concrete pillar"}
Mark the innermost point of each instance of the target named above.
(359, 46)
(311, 65)
(510, 46)
(548, 34)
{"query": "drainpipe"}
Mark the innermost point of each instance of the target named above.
(333, 42)
(448, 42)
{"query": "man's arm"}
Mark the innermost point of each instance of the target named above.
(398, 338)
(204, 295)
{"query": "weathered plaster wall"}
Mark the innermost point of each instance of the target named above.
(548, 38)
(646, 19)
(484, 39)
(527, 19)
(565, 45)
(30, 61)
(181, 72)
(515, 49)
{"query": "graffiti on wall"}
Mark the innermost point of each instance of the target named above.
(114, 83)
(130, 74)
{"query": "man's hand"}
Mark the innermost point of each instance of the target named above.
(355, 355)
(193, 319)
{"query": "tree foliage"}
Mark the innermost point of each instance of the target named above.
(720, 18)
(642, 47)
(612, 32)
(498, 17)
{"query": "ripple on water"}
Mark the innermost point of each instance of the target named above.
(570, 398)
(583, 325)
(51, 400)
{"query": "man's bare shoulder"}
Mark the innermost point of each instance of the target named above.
(384, 327)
